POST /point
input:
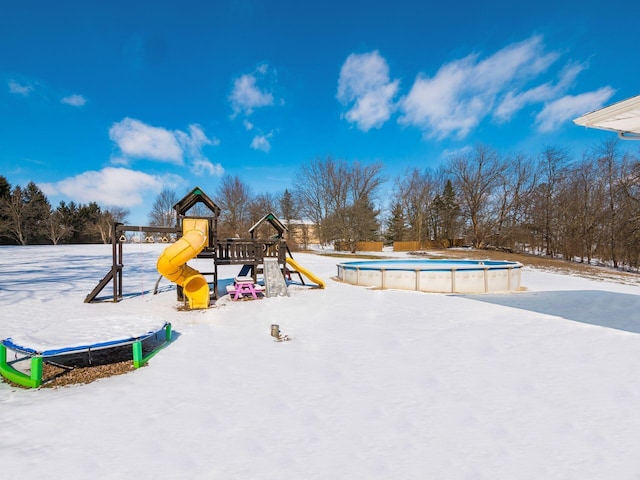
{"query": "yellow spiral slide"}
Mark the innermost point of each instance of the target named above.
(172, 264)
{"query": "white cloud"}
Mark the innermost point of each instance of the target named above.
(138, 140)
(261, 142)
(74, 100)
(174, 182)
(464, 91)
(193, 141)
(203, 166)
(518, 61)
(557, 112)
(514, 101)
(15, 87)
(121, 187)
(43, 91)
(455, 152)
(248, 125)
(364, 82)
(120, 161)
(247, 95)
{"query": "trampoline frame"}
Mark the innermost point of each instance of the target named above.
(34, 378)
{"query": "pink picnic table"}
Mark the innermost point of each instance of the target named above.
(244, 286)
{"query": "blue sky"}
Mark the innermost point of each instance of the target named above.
(113, 101)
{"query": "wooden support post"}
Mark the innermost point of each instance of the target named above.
(114, 255)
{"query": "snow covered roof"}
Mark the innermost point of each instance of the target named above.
(622, 117)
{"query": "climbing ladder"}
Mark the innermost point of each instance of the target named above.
(274, 282)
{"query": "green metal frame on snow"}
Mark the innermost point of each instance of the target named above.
(34, 378)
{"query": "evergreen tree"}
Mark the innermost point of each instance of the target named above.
(396, 224)
(289, 206)
(288, 209)
(5, 187)
(5, 193)
(447, 212)
(90, 217)
(353, 224)
(82, 220)
(68, 218)
(14, 209)
(24, 213)
(37, 213)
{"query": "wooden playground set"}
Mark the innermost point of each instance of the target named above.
(197, 237)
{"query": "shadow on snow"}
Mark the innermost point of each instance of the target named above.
(594, 307)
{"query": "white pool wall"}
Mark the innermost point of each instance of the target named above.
(439, 276)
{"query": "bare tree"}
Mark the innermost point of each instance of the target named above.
(566, 221)
(259, 206)
(475, 177)
(118, 214)
(415, 191)
(56, 228)
(340, 198)
(321, 188)
(262, 204)
(107, 218)
(553, 162)
(630, 209)
(162, 213)
(515, 185)
(199, 210)
(609, 164)
(588, 199)
(361, 223)
(233, 197)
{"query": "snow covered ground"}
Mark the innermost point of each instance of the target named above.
(543, 384)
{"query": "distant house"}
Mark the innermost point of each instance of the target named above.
(302, 232)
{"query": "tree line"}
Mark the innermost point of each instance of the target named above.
(337, 197)
(582, 209)
(27, 218)
(553, 204)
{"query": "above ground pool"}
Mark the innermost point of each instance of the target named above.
(439, 276)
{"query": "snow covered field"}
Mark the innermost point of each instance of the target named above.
(543, 384)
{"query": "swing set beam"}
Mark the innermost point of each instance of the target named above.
(115, 274)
